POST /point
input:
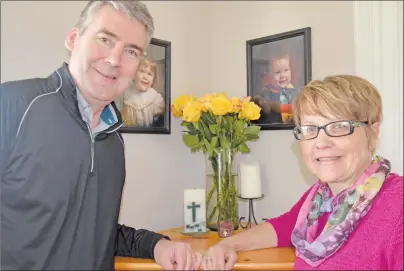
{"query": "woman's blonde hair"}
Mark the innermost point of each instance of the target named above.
(347, 97)
(147, 63)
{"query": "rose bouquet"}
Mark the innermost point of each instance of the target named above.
(219, 127)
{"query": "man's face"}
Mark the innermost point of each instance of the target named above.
(105, 57)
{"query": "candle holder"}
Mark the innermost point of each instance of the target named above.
(251, 215)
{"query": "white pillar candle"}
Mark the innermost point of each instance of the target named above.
(250, 180)
(194, 210)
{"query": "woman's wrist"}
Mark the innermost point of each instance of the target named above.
(231, 242)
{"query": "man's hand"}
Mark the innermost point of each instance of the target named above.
(219, 257)
(172, 255)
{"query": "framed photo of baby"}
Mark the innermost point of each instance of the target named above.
(278, 66)
(145, 105)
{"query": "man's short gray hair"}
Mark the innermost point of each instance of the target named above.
(134, 9)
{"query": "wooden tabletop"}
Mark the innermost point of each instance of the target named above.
(263, 259)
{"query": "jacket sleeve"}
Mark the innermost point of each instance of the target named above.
(12, 108)
(140, 243)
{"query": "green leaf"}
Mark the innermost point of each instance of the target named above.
(192, 129)
(219, 120)
(213, 128)
(197, 148)
(190, 140)
(211, 116)
(239, 126)
(229, 118)
(213, 142)
(189, 132)
(230, 121)
(252, 129)
(196, 125)
(206, 130)
(225, 124)
(207, 118)
(208, 146)
(224, 142)
(251, 137)
(237, 141)
(243, 148)
(189, 126)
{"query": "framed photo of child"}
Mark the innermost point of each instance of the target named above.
(145, 105)
(278, 66)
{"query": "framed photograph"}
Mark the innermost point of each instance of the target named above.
(145, 105)
(278, 66)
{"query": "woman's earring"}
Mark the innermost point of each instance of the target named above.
(375, 158)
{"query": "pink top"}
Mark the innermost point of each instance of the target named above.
(375, 244)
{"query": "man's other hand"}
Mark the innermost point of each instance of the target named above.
(171, 255)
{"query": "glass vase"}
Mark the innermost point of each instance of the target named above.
(221, 192)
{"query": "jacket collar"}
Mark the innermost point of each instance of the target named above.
(63, 77)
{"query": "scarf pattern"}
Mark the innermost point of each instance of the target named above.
(347, 208)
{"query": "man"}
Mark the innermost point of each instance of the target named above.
(62, 161)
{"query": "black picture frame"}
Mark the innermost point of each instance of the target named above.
(268, 81)
(159, 51)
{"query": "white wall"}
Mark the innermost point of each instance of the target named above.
(379, 57)
(32, 36)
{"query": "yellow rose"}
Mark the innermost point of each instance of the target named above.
(220, 105)
(176, 111)
(205, 101)
(236, 104)
(221, 94)
(193, 111)
(179, 104)
(249, 110)
(248, 99)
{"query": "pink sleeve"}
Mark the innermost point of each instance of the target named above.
(285, 223)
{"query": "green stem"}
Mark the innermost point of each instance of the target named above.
(224, 186)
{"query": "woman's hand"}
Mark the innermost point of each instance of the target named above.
(219, 257)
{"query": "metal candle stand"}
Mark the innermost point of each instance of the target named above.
(250, 212)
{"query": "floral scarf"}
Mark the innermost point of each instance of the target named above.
(347, 208)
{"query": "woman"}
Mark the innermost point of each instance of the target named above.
(352, 217)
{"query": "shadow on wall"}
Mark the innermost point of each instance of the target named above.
(308, 177)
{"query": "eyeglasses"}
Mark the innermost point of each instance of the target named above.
(332, 129)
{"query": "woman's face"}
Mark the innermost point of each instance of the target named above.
(144, 78)
(336, 160)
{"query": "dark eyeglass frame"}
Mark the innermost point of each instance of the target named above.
(353, 124)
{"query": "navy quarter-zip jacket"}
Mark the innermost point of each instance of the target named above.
(60, 189)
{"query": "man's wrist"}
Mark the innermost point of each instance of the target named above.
(153, 242)
(160, 245)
